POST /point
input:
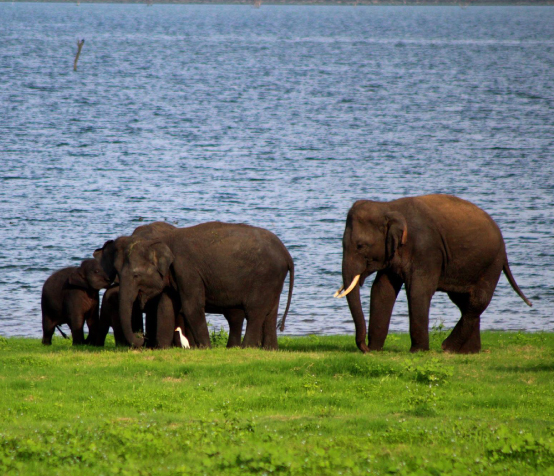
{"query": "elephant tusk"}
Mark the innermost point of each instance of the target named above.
(351, 287)
(338, 292)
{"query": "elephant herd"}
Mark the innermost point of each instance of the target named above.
(175, 275)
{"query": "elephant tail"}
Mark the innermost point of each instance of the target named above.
(281, 324)
(62, 332)
(512, 281)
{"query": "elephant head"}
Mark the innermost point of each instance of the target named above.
(111, 256)
(89, 275)
(144, 274)
(372, 238)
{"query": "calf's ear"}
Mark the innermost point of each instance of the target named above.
(397, 233)
(77, 278)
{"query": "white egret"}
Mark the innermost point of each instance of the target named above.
(184, 341)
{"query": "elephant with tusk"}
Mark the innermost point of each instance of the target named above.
(428, 243)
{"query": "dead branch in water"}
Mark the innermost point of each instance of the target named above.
(79, 46)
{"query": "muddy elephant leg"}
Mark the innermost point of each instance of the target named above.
(235, 318)
(420, 292)
(384, 292)
(48, 329)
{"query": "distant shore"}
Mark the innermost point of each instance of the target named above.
(459, 3)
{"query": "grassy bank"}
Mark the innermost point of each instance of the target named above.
(317, 406)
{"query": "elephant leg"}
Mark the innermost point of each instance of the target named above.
(118, 334)
(48, 329)
(181, 322)
(235, 318)
(137, 322)
(151, 323)
(109, 313)
(165, 322)
(419, 294)
(384, 292)
(109, 317)
(93, 322)
(465, 338)
(254, 328)
(93, 325)
(76, 324)
(269, 329)
(195, 316)
(188, 334)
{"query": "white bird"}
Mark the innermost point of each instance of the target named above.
(184, 341)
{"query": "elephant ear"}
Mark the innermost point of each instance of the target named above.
(78, 279)
(105, 256)
(397, 234)
(162, 257)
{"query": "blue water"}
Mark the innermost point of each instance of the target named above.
(280, 117)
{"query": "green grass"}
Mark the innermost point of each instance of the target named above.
(315, 407)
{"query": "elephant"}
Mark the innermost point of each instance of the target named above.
(428, 243)
(70, 296)
(161, 314)
(232, 269)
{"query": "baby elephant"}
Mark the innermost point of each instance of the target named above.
(70, 296)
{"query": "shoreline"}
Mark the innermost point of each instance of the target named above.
(406, 3)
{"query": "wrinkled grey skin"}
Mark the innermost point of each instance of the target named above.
(70, 296)
(428, 243)
(234, 270)
(161, 314)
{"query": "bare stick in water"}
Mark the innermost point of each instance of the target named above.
(79, 46)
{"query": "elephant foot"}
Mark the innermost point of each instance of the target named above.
(363, 347)
(455, 344)
(471, 346)
(450, 347)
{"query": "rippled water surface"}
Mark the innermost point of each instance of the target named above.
(279, 117)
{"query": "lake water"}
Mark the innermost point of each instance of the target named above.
(279, 117)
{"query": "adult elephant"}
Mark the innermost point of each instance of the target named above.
(428, 243)
(161, 314)
(231, 269)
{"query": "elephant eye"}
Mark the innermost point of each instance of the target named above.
(360, 246)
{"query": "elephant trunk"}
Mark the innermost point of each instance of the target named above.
(351, 277)
(127, 297)
(355, 305)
